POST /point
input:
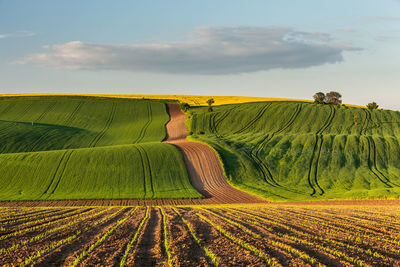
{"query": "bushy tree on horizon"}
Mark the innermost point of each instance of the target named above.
(372, 105)
(333, 98)
(184, 106)
(210, 102)
(319, 98)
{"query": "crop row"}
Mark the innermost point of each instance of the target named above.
(174, 236)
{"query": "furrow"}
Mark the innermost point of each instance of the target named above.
(245, 245)
(48, 256)
(149, 250)
(133, 241)
(208, 252)
(101, 239)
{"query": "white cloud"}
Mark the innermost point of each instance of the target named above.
(19, 34)
(213, 50)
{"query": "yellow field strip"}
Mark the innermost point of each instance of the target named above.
(193, 100)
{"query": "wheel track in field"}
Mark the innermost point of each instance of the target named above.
(71, 117)
(147, 124)
(203, 165)
(6, 110)
(215, 122)
(58, 174)
(255, 152)
(259, 114)
(8, 107)
(4, 131)
(316, 155)
(147, 174)
(371, 152)
(47, 110)
(67, 122)
(96, 140)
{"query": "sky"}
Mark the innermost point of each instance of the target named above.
(266, 48)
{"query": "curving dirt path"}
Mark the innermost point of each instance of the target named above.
(204, 167)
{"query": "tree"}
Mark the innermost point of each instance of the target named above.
(184, 106)
(210, 102)
(319, 98)
(372, 105)
(333, 98)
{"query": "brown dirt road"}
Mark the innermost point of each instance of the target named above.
(203, 165)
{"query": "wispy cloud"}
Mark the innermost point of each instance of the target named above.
(18, 34)
(213, 50)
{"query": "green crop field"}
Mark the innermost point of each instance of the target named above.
(88, 148)
(304, 151)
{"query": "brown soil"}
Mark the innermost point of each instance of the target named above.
(185, 251)
(227, 252)
(110, 252)
(204, 167)
(150, 250)
(331, 240)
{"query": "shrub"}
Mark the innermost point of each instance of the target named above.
(333, 98)
(372, 105)
(210, 102)
(319, 98)
(184, 106)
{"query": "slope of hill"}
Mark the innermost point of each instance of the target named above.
(304, 151)
(88, 148)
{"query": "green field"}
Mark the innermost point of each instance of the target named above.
(88, 148)
(304, 151)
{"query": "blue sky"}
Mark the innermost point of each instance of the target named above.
(259, 48)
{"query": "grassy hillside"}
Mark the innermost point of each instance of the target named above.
(305, 151)
(52, 123)
(145, 171)
(87, 148)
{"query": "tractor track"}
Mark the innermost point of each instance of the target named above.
(144, 129)
(259, 114)
(58, 173)
(255, 152)
(316, 155)
(96, 140)
(371, 152)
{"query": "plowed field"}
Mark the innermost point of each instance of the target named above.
(204, 235)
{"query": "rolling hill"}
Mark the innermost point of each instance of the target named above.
(304, 151)
(70, 147)
(85, 147)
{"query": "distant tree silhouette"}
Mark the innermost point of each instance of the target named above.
(333, 98)
(319, 98)
(372, 105)
(210, 102)
(184, 106)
